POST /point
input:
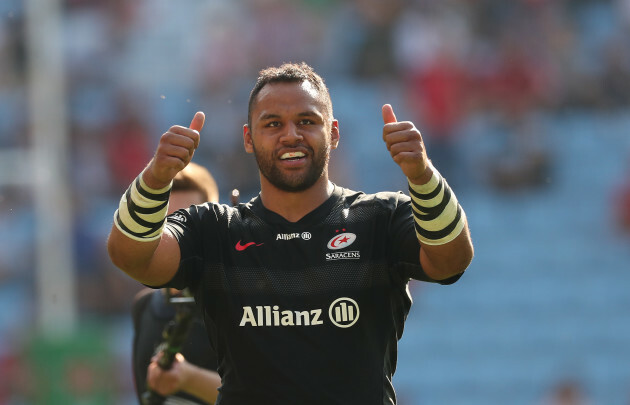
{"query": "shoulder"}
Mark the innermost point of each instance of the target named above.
(384, 199)
(209, 210)
(191, 217)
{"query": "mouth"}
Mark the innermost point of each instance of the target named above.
(292, 156)
(293, 159)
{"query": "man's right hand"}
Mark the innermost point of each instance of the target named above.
(174, 152)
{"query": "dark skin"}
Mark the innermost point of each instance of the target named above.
(405, 145)
(290, 118)
(155, 262)
(282, 105)
(290, 133)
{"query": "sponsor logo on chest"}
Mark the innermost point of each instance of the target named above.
(289, 236)
(342, 312)
(336, 244)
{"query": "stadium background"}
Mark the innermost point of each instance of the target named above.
(524, 106)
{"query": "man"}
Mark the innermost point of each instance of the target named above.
(304, 288)
(151, 312)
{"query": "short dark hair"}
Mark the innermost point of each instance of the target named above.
(195, 177)
(289, 73)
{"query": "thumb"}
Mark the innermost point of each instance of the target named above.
(388, 114)
(197, 121)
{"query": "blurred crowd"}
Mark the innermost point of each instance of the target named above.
(474, 75)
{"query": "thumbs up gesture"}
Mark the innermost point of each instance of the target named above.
(405, 145)
(174, 152)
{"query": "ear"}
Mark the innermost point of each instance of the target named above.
(247, 139)
(334, 134)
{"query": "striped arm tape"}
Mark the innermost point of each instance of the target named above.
(438, 216)
(142, 211)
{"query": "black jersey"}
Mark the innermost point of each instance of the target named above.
(305, 312)
(151, 313)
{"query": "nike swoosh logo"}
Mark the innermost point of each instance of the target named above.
(240, 247)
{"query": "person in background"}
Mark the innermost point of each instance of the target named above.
(151, 312)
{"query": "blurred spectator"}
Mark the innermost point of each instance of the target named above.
(374, 57)
(283, 27)
(622, 208)
(515, 91)
(128, 143)
(437, 95)
(567, 392)
(432, 48)
(621, 202)
(616, 75)
(12, 76)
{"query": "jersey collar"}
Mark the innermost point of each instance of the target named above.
(315, 216)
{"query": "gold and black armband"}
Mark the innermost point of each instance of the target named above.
(142, 211)
(437, 214)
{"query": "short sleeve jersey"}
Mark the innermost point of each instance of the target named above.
(306, 312)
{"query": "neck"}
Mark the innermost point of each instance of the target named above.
(293, 206)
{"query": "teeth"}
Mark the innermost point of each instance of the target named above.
(290, 155)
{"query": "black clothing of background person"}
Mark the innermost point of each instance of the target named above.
(151, 313)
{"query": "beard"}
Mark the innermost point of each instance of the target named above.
(297, 181)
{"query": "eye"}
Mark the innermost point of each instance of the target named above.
(273, 124)
(305, 121)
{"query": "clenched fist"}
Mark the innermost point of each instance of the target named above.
(405, 145)
(174, 152)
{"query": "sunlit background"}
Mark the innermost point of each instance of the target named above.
(524, 106)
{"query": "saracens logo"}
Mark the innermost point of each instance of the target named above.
(341, 241)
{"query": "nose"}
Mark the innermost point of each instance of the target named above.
(291, 134)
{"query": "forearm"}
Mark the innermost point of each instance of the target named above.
(443, 261)
(201, 383)
(441, 226)
(138, 232)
